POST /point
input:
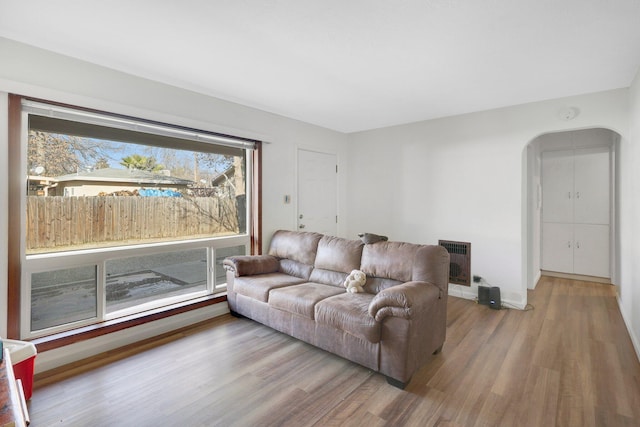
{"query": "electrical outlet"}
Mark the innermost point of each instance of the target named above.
(477, 279)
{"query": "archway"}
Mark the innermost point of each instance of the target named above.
(558, 142)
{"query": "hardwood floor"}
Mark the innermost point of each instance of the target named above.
(568, 362)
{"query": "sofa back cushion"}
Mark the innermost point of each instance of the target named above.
(336, 258)
(338, 254)
(300, 246)
(391, 263)
(295, 268)
(328, 277)
(389, 260)
(377, 284)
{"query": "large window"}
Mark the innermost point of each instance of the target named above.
(120, 216)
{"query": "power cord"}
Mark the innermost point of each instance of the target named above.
(507, 306)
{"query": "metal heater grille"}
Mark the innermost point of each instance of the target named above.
(460, 266)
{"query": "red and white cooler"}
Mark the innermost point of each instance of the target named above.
(23, 355)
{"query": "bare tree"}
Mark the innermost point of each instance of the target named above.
(214, 162)
(102, 163)
(63, 154)
(54, 153)
(180, 166)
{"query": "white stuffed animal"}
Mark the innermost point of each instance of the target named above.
(355, 281)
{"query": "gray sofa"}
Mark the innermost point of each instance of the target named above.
(297, 288)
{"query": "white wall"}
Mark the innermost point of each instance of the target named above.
(629, 183)
(38, 73)
(464, 178)
(534, 211)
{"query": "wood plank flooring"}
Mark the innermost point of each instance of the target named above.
(567, 362)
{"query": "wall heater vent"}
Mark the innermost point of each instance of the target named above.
(460, 267)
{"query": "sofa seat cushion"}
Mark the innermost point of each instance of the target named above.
(350, 313)
(259, 285)
(301, 299)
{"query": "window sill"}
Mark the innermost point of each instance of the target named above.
(62, 339)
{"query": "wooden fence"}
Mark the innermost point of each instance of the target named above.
(55, 222)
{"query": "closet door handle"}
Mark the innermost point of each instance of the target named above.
(569, 244)
(568, 194)
(577, 245)
(577, 194)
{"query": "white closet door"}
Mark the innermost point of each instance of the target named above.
(591, 200)
(557, 247)
(591, 252)
(576, 211)
(557, 186)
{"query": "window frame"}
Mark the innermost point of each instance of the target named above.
(99, 257)
(18, 317)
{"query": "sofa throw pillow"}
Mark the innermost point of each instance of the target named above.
(369, 238)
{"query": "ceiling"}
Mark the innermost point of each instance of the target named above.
(349, 65)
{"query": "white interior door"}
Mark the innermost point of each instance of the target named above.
(317, 192)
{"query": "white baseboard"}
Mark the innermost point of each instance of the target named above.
(72, 353)
(583, 278)
(627, 323)
(465, 292)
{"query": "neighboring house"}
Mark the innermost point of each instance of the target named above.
(110, 180)
(223, 183)
(41, 185)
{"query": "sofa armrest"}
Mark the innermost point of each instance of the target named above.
(404, 300)
(248, 265)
